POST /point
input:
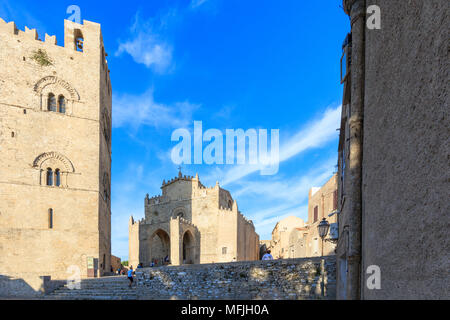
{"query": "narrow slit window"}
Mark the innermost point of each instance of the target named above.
(50, 218)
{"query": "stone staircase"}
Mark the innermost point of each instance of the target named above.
(293, 279)
(105, 288)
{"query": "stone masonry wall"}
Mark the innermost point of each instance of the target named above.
(406, 151)
(275, 279)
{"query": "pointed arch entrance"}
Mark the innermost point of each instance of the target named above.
(188, 248)
(159, 247)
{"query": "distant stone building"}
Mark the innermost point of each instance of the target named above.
(190, 224)
(292, 238)
(264, 245)
(298, 243)
(394, 153)
(116, 263)
(55, 153)
(279, 243)
(322, 203)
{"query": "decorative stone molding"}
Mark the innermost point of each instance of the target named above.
(42, 83)
(53, 160)
(39, 161)
(176, 212)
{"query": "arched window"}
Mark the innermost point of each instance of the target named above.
(51, 103)
(50, 218)
(49, 177)
(57, 178)
(61, 104)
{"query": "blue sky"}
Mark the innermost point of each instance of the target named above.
(228, 63)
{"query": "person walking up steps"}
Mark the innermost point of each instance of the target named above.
(130, 276)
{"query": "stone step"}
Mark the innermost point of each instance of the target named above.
(90, 297)
(93, 291)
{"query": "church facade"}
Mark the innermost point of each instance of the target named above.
(191, 224)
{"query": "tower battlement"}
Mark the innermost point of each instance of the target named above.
(71, 31)
(83, 38)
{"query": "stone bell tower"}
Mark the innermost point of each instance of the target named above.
(55, 152)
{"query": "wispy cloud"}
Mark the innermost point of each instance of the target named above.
(147, 44)
(312, 135)
(197, 3)
(137, 110)
(289, 190)
(288, 195)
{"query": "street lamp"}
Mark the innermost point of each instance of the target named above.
(323, 231)
(323, 228)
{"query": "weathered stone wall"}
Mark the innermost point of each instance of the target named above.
(273, 279)
(33, 139)
(406, 150)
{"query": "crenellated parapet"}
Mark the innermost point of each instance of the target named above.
(154, 200)
(75, 35)
(132, 222)
(179, 178)
(245, 219)
(27, 33)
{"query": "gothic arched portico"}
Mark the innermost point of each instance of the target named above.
(188, 248)
(158, 247)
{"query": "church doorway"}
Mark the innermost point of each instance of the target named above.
(188, 248)
(159, 248)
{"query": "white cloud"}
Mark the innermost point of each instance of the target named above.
(197, 3)
(136, 110)
(313, 135)
(289, 190)
(289, 196)
(147, 44)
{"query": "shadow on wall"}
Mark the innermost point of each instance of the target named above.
(28, 286)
